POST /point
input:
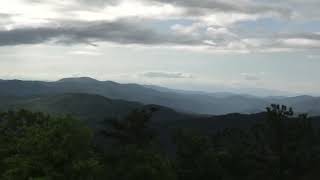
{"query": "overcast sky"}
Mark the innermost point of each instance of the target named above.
(190, 44)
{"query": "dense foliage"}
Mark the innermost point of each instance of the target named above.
(38, 146)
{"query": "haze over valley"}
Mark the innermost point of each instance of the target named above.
(35, 93)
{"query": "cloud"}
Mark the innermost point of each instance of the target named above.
(210, 11)
(203, 7)
(209, 25)
(86, 53)
(123, 32)
(219, 31)
(158, 74)
(191, 7)
(187, 30)
(98, 2)
(139, 32)
(313, 56)
(84, 2)
(128, 9)
(252, 76)
(301, 42)
(209, 42)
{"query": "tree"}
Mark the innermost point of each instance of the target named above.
(286, 145)
(133, 129)
(133, 152)
(37, 146)
(196, 157)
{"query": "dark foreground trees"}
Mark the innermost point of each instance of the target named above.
(134, 152)
(283, 148)
(37, 146)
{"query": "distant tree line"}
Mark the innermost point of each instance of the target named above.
(36, 146)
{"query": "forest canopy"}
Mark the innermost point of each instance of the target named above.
(39, 146)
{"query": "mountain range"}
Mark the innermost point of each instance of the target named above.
(40, 95)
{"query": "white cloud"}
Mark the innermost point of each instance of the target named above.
(209, 42)
(86, 53)
(213, 24)
(252, 76)
(130, 8)
(192, 29)
(313, 56)
(219, 31)
(27, 12)
(159, 74)
(226, 19)
(301, 42)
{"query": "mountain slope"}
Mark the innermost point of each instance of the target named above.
(83, 106)
(183, 101)
(91, 108)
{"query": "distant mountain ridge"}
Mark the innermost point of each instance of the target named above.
(93, 109)
(183, 101)
(83, 106)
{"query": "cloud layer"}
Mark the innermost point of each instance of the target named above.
(211, 25)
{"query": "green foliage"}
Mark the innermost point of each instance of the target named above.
(283, 147)
(134, 154)
(34, 145)
(133, 129)
(196, 158)
(132, 162)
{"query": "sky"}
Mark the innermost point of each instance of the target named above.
(242, 46)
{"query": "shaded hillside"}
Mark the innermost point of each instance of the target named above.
(83, 106)
(303, 104)
(91, 108)
(95, 108)
(183, 101)
(214, 123)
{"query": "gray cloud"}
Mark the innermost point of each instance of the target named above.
(314, 36)
(5, 18)
(166, 75)
(99, 2)
(250, 76)
(313, 56)
(199, 7)
(5, 15)
(26, 36)
(254, 77)
(88, 2)
(123, 32)
(202, 7)
(135, 32)
(297, 41)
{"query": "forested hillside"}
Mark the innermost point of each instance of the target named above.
(183, 101)
(39, 146)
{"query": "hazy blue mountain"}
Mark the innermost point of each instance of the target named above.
(214, 94)
(303, 104)
(88, 107)
(94, 109)
(183, 101)
(83, 106)
(225, 91)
